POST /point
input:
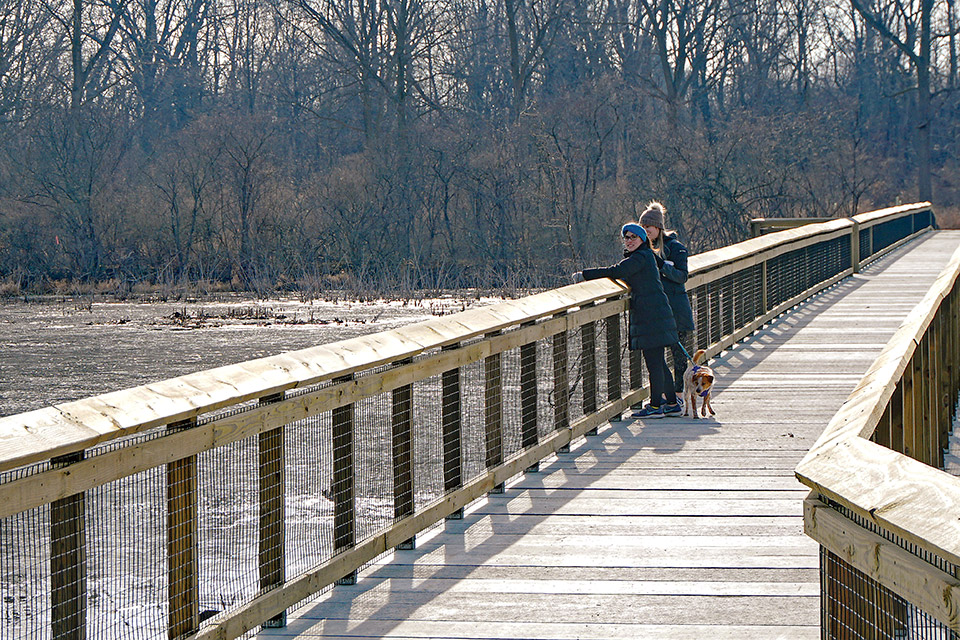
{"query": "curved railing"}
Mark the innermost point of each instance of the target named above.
(886, 517)
(206, 505)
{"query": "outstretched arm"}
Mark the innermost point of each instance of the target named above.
(620, 271)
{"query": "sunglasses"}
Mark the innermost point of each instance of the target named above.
(630, 236)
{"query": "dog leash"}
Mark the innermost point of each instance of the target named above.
(680, 344)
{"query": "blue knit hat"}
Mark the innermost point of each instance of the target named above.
(635, 229)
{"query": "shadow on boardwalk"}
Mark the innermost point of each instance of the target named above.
(671, 528)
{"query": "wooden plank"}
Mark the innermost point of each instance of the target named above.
(450, 420)
(183, 542)
(872, 218)
(920, 583)
(910, 499)
(271, 539)
(547, 630)
(343, 486)
(68, 564)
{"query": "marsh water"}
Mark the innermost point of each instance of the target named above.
(58, 350)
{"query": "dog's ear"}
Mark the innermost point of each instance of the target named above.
(707, 378)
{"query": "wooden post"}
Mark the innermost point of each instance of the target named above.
(493, 411)
(450, 420)
(933, 400)
(896, 419)
(182, 543)
(561, 388)
(272, 542)
(855, 247)
(921, 415)
(528, 397)
(764, 288)
(908, 411)
(68, 561)
(402, 446)
(344, 479)
(588, 368)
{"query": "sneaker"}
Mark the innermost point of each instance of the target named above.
(672, 409)
(648, 411)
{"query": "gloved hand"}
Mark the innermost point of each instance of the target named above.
(577, 277)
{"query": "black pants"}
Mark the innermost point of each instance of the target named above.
(680, 359)
(661, 382)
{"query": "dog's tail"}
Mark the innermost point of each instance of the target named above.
(698, 356)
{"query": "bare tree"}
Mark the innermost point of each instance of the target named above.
(907, 25)
(161, 40)
(684, 32)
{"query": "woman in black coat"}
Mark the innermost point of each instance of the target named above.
(652, 326)
(671, 258)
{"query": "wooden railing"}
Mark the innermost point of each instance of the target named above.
(886, 517)
(206, 505)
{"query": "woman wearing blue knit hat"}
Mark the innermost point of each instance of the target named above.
(652, 327)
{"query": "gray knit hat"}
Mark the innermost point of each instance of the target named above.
(653, 215)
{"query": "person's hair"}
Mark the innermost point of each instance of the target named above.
(656, 214)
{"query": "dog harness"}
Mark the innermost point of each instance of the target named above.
(703, 394)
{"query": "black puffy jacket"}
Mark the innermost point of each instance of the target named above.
(674, 277)
(651, 319)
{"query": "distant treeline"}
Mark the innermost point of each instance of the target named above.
(258, 144)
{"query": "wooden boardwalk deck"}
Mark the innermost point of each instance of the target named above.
(657, 529)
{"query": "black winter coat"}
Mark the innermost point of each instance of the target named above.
(674, 278)
(651, 319)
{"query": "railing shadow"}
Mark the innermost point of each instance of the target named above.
(610, 448)
(382, 594)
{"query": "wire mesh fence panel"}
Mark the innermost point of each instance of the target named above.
(600, 361)
(25, 572)
(627, 376)
(127, 577)
(473, 420)
(428, 441)
(511, 363)
(575, 364)
(543, 389)
(854, 606)
(374, 465)
(864, 243)
(228, 508)
(887, 233)
(308, 476)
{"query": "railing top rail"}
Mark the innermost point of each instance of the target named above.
(77, 425)
(767, 246)
(890, 213)
(73, 426)
(915, 501)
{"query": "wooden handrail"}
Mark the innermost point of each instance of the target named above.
(189, 412)
(74, 426)
(911, 500)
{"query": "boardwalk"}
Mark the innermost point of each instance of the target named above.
(668, 528)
